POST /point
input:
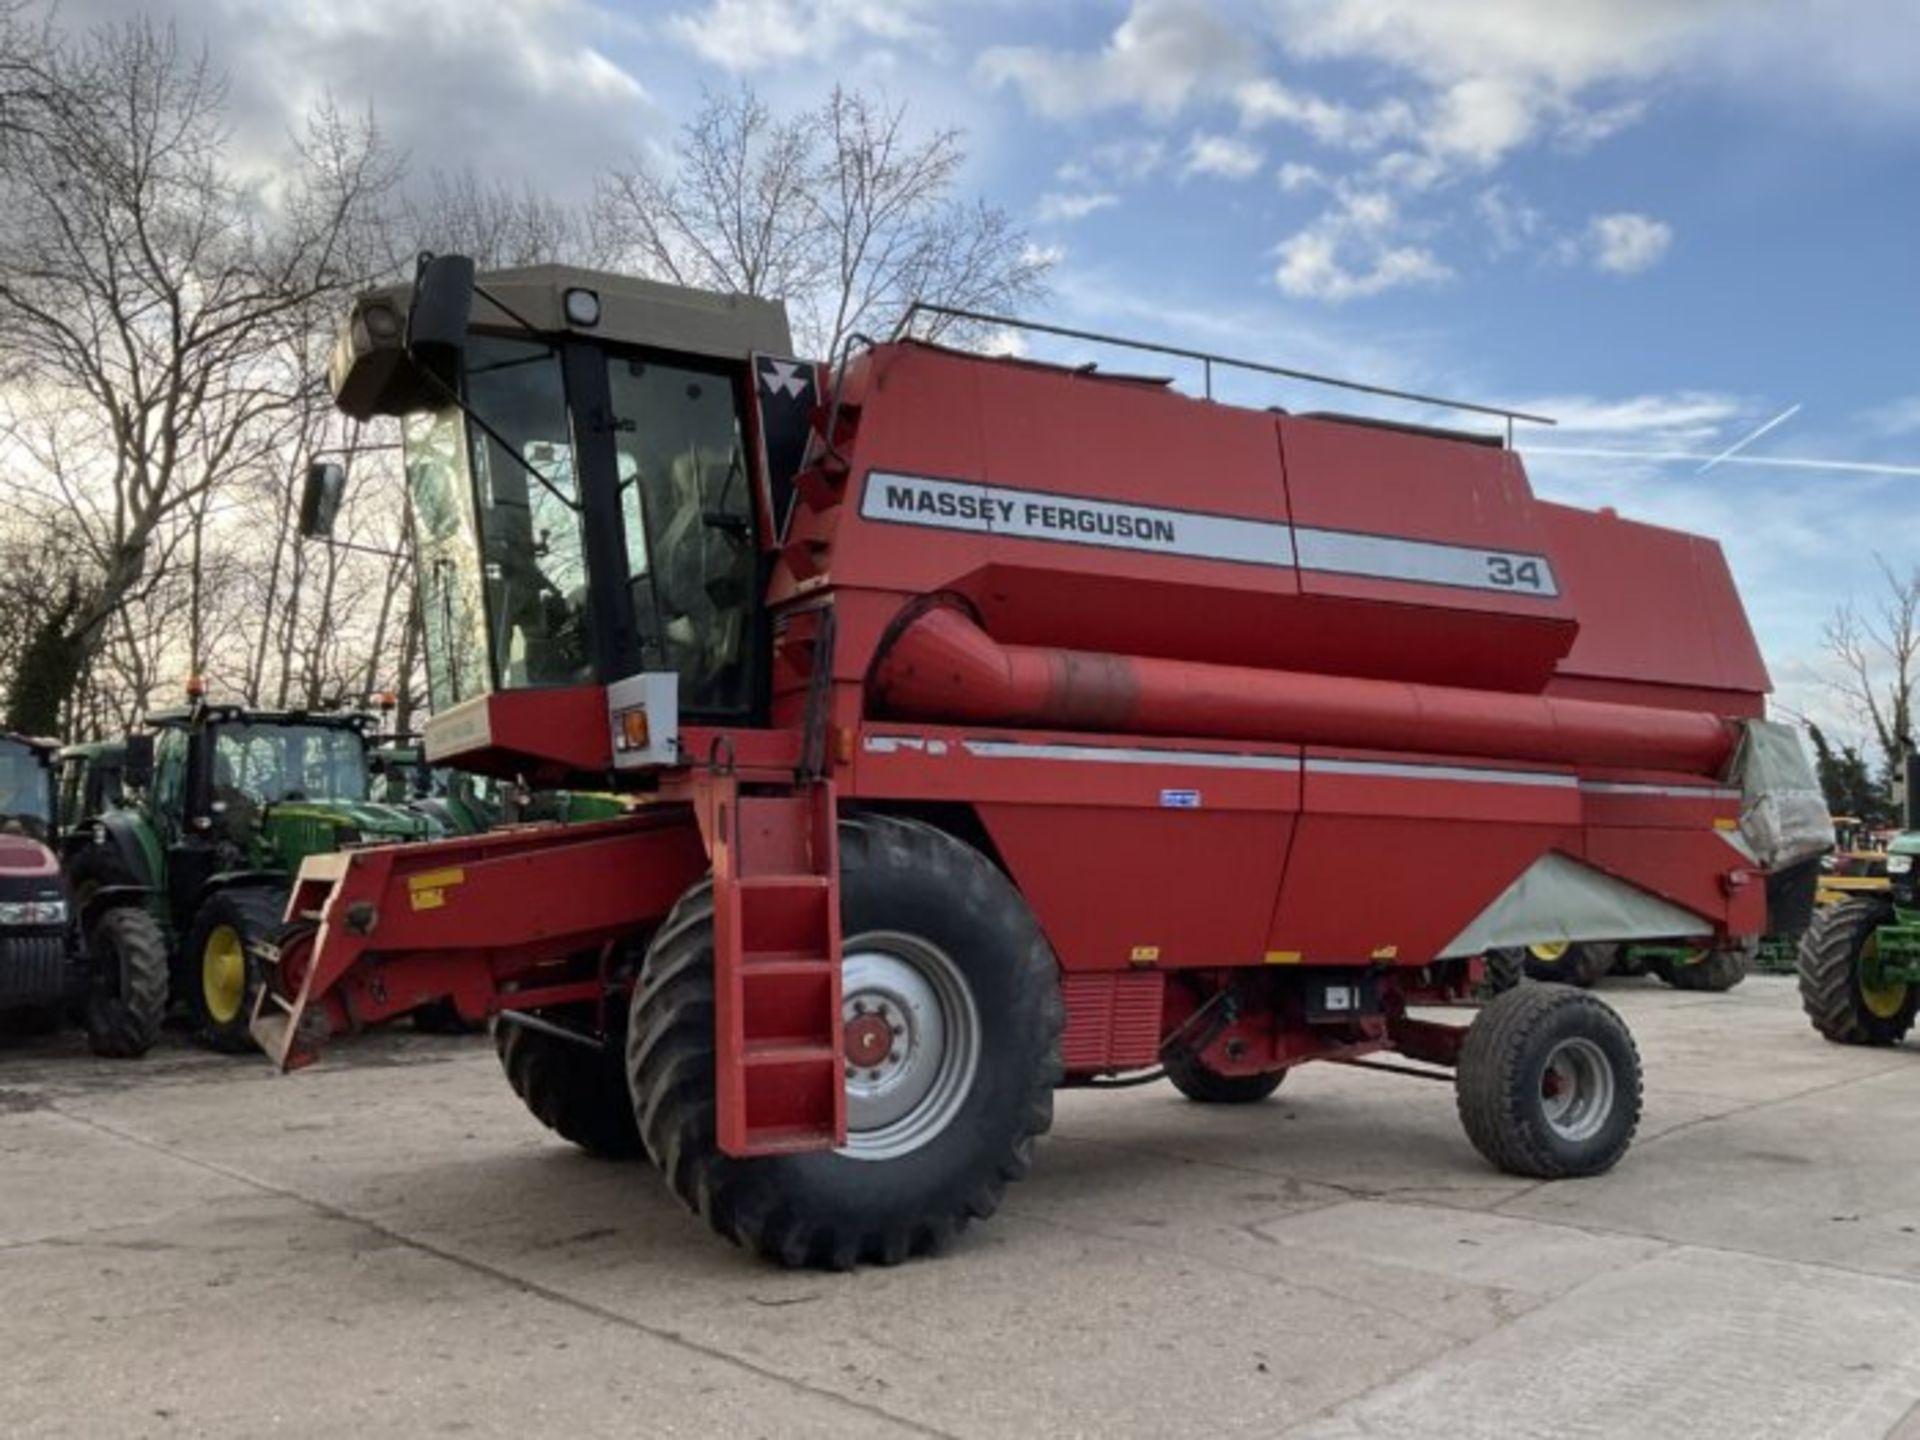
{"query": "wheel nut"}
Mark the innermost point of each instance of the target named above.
(873, 1074)
(898, 1030)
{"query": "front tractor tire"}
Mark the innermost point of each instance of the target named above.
(1835, 954)
(1548, 1083)
(1716, 971)
(576, 1089)
(221, 964)
(933, 932)
(1563, 962)
(126, 1000)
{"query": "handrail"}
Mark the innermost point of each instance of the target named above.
(1208, 360)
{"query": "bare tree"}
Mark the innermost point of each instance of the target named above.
(1876, 659)
(145, 284)
(846, 212)
(499, 225)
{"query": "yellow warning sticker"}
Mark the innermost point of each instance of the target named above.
(1144, 954)
(1725, 823)
(1283, 957)
(428, 889)
(1386, 952)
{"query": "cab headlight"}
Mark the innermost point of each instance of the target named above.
(1899, 864)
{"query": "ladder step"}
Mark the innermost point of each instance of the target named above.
(791, 882)
(783, 962)
(767, 1054)
(788, 1139)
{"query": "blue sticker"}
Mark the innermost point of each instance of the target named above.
(1180, 799)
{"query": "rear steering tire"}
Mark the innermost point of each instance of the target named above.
(127, 985)
(1548, 1083)
(221, 964)
(1205, 1086)
(935, 931)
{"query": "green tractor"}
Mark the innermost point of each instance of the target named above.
(1684, 967)
(1859, 960)
(219, 806)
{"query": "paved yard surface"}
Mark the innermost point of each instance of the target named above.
(389, 1245)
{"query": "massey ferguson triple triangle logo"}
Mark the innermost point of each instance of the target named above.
(1078, 520)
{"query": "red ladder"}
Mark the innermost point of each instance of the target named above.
(776, 968)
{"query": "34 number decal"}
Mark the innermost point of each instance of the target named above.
(1508, 573)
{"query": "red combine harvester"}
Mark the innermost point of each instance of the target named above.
(1001, 726)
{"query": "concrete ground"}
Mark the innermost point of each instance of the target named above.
(388, 1244)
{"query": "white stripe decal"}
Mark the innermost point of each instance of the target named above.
(1676, 792)
(1076, 520)
(1429, 562)
(1156, 530)
(1113, 755)
(1211, 760)
(1403, 771)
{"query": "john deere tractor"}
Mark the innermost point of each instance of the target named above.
(1860, 958)
(222, 805)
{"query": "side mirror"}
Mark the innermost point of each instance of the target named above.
(442, 308)
(320, 499)
(136, 767)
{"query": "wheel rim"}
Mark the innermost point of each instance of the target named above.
(1550, 950)
(912, 1038)
(1577, 1089)
(223, 974)
(1883, 1002)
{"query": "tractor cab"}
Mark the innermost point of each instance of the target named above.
(27, 806)
(591, 496)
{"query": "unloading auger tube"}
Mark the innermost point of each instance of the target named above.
(942, 666)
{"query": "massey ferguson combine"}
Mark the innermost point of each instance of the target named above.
(1001, 727)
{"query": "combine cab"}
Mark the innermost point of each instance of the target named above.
(996, 727)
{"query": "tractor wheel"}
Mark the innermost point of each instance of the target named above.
(1209, 1087)
(932, 930)
(1548, 1084)
(1563, 962)
(127, 983)
(1502, 970)
(221, 964)
(1717, 970)
(1842, 1006)
(577, 1091)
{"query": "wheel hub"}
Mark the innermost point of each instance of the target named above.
(223, 974)
(1577, 1089)
(911, 1034)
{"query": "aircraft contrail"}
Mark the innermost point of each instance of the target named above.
(1728, 453)
(1781, 462)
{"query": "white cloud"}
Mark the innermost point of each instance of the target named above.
(1127, 161)
(1156, 59)
(745, 35)
(1319, 262)
(1896, 418)
(1059, 206)
(1685, 417)
(452, 82)
(1294, 176)
(1512, 224)
(1626, 244)
(1223, 156)
(1267, 101)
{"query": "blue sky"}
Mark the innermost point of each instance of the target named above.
(1664, 221)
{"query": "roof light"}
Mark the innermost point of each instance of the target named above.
(582, 307)
(196, 687)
